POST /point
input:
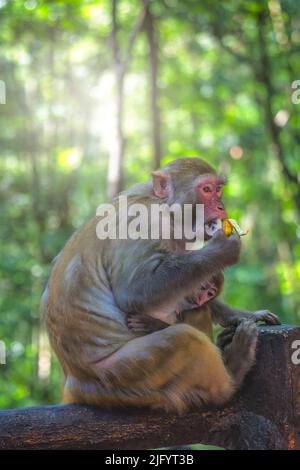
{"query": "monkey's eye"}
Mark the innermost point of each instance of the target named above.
(219, 189)
(207, 189)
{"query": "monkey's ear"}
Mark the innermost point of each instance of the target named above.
(161, 183)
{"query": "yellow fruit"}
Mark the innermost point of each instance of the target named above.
(227, 227)
(230, 225)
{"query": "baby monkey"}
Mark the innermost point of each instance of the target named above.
(208, 290)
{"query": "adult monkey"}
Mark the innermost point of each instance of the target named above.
(97, 284)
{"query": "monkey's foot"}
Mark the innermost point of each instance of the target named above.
(239, 354)
(225, 337)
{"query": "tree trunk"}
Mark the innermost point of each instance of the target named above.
(263, 75)
(154, 94)
(120, 65)
(115, 173)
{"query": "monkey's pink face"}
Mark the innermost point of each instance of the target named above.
(209, 191)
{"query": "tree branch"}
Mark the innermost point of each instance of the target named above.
(263, 74)
(138, 27)
(123, 63)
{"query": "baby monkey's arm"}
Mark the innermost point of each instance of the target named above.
(141, 323)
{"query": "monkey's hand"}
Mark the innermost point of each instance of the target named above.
(260, 315)
(139, 323)
(226, 248)
(265, 315)
(225, 315)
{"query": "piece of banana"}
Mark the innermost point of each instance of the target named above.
(230, 225)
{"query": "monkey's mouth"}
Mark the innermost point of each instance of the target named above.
(212, 226)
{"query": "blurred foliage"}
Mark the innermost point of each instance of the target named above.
(224, 78)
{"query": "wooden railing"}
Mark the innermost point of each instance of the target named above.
(264, 415)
